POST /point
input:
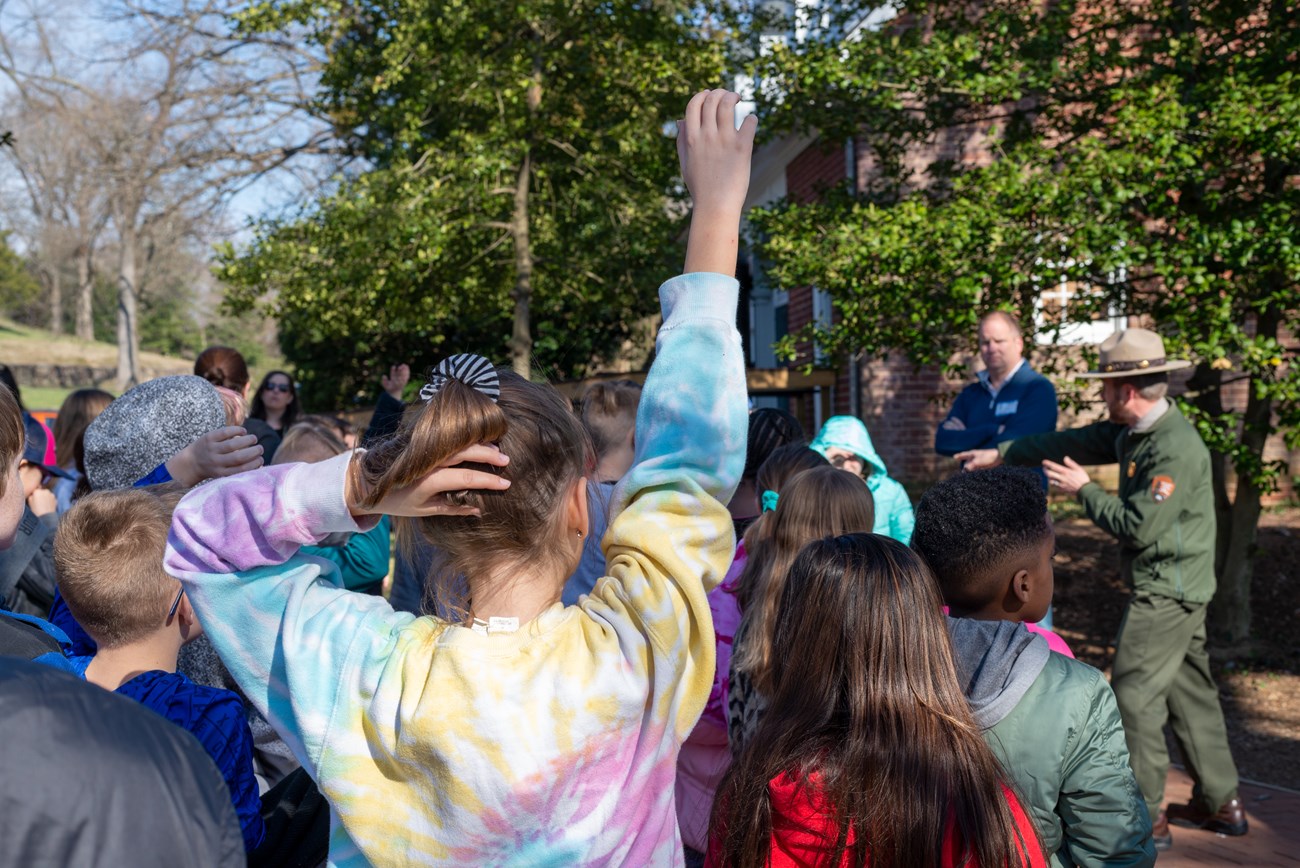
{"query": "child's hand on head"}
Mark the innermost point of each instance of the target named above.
(715, 160)
(223, 452)
(428, 495)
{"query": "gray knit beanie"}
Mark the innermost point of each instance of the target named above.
(147, 426)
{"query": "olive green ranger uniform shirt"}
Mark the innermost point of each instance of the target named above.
(1164, 514)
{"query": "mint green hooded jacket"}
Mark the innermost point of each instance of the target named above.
(894, 516)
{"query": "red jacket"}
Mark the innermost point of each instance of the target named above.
(803, 834)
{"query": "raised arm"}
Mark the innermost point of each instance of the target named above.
(671, 538)
(363, 560)
(1091, 444)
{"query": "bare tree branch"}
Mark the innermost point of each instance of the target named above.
(152, 133)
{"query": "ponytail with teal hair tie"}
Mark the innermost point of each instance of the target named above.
(769, 501)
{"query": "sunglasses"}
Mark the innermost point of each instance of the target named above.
(277, 387)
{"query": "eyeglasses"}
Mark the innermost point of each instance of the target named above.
(171, 613)
(277, 387)
(840, 460)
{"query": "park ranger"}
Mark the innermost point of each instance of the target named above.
(1164, 520)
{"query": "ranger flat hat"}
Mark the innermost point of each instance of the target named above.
(1133, 352)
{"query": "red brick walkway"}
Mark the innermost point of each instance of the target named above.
(1274, 837)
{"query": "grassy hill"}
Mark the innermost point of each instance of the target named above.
(25, 345)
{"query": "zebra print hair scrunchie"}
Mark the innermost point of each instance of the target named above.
(474, 371)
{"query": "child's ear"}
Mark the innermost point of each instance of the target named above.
(577, 517)
(190, 627)
(1021, 586)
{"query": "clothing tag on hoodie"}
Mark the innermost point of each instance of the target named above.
(503, 625)
(494, 625)
(1006, 408)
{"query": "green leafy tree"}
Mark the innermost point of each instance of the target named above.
(20, 292)
(1147, 153)
(518, 192)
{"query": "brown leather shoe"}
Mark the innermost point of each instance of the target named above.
(1230, 819)
(1160, 834)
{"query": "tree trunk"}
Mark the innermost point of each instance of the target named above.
(84, 326)
(128, 333)
(54, 280)
(1206, 385)
(521, 337)
(1230, 609)
(1239, 527)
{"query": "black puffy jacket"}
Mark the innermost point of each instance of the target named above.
(90, 778)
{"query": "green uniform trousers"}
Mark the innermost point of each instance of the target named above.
(1163, 672)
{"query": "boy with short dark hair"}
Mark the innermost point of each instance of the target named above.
(109, 551)
(1051, 720)
(994, 570)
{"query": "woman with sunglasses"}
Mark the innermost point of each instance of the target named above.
(225, 367)
(276, 402)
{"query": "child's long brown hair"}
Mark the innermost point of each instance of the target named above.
(815, 503)
(519, 527)
(76, 412)
(785, 463)
(866, 710)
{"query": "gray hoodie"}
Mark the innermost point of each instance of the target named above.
(997, 662)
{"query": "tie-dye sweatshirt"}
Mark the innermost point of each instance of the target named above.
(554, 745)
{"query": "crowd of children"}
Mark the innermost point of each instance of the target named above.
(663, 629)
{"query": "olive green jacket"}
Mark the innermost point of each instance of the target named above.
(1164, 514)
(1063, 746)
(1054, 726)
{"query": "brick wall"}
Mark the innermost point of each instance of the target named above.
(818, 167)
(902, 405)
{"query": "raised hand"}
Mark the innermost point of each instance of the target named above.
(428, 495)
(223, 452)
(1068, 477)
(394, 382)
(715, 158)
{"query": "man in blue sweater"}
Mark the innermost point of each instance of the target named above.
(1009, 399)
